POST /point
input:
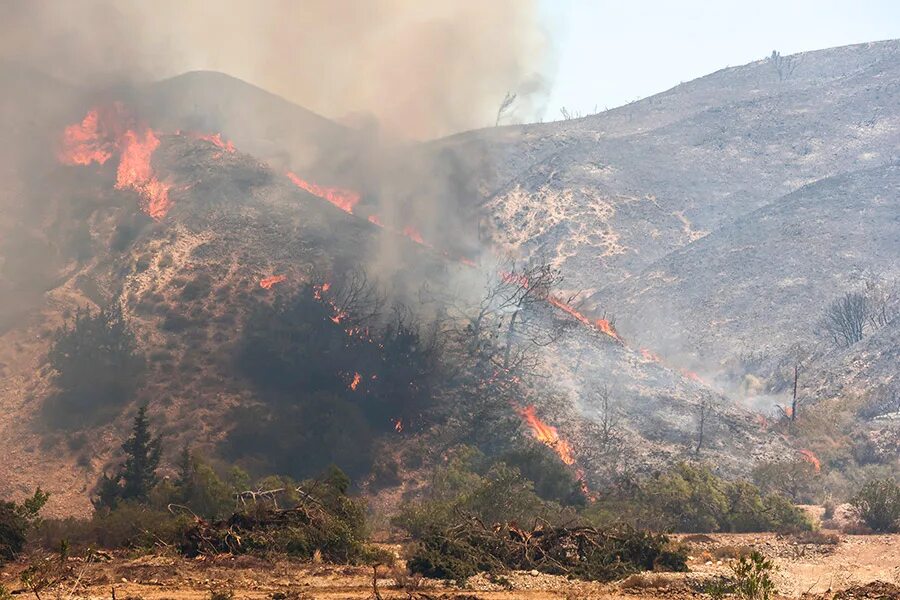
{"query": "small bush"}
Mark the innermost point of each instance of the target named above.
(15, 521)
(750, 579)
(878, 505)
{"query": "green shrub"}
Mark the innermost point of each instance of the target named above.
(497, 494)
(691, 499)
(323, 520)
(128, 525)
(752, 577)
(15, 521)
(877, 503)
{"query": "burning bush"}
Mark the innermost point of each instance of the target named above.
(796, 479)
(97, 368)
(329, 357)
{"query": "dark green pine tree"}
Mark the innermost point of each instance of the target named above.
(143, 453)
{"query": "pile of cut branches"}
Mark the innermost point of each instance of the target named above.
(466, 548)
(299, 531)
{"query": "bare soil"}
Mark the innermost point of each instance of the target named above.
(855, 567)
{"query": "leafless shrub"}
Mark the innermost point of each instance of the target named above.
(845, 319)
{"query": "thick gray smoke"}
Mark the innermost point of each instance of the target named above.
(422, 69)
(390, 72)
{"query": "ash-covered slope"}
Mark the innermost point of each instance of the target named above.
(760, 283)
(607, 195)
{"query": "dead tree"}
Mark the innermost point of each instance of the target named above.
(845, 319)
(883, 297)
(608, 420)
(784, 65)
(705, 410)
(505, 106)
(794, 403)
(524, 290)
(502, 328)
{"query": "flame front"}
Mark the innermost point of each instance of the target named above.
(547, 435)
(86, 142)
(267, 282)
(812, 459)
(104, 132)
(355, 383)
(601, 325)
(344, 199)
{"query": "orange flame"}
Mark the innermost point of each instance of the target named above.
(104, 132)
(135, 172)
(413, 234)
(812, 459)
(601, 325)
(266, 283)
(692, 376)
(649, 355)
(398, 425)
(547, 435)
(86, 142)
(216, 140)
(344, 199)
(355, 383)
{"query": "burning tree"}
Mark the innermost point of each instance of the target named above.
(332, 355)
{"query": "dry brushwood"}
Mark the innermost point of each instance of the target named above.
(461, 550)
(302, 530)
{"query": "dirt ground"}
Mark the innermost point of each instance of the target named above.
(806, 570)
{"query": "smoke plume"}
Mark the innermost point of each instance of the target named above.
(421, 69)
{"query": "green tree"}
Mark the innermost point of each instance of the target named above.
(137, 476)
(97, 368)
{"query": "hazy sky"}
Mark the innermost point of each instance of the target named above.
(612, 52)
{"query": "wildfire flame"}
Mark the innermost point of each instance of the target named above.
(547, 435)
(413, 234)
(86, 142)
(651, 356)
(216, 140)
(398, 425)
(101, 134)
(812, 459)
(601, 325)
(266, 283)
(344, 199)
(355, 383)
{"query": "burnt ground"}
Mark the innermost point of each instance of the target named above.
(855, 567)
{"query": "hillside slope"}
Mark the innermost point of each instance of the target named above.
(607, 195)
(760, 283)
